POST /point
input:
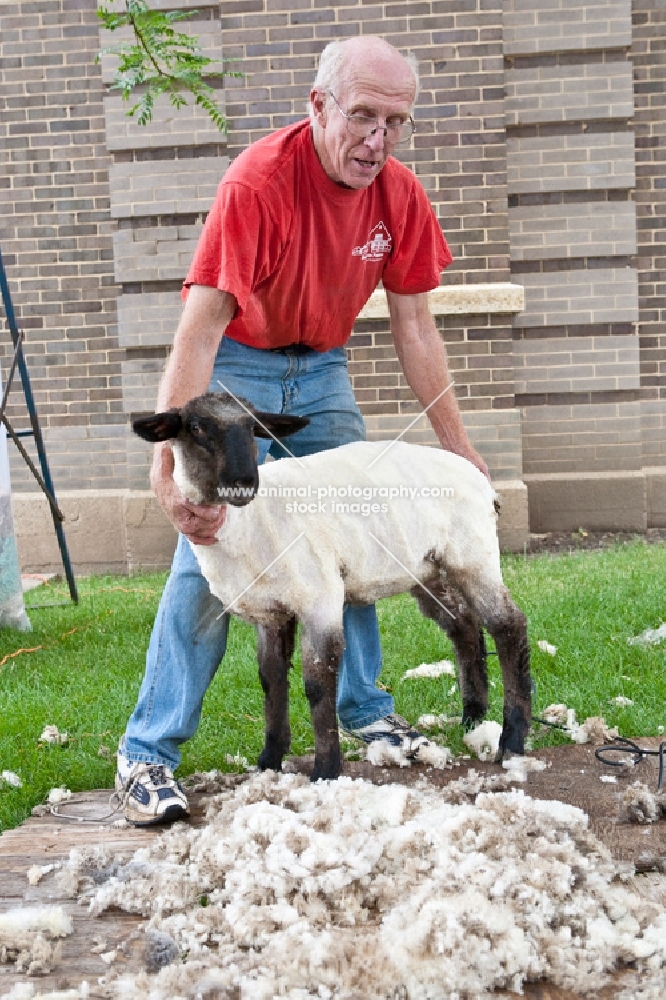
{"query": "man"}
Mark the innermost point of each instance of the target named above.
(304, 226)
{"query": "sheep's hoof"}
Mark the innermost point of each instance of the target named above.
(269, 760)
(503, 754)
(328, 767)
(514, 731)
(511, 745)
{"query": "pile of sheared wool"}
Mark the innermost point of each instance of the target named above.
(345, 889)
(26, 991)
(641, 805)
(382, 753)
(27, 934)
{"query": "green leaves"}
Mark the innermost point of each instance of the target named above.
(161, 60)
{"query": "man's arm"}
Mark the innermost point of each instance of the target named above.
(423, 358)
(205, 317)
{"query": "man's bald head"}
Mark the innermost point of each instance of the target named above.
(339, 57)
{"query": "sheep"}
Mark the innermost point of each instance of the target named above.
(276, 563)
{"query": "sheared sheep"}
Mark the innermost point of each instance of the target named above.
(276, 563)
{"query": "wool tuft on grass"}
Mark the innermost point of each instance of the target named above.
(431, 670)
(484, 740)
(345, 889)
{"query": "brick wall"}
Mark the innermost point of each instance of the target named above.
(572, 223)
(55, 234)
(540, 141)
(648, 55)
(458, 153)
(162, 181)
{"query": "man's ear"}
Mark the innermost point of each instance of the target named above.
(318, 102)
(277, 425)
(158, 427)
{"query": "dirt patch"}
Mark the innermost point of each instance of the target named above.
(574, 541)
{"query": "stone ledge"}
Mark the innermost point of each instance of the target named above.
(598, 501)
(456, 300)
(655, 489)
(126, 531)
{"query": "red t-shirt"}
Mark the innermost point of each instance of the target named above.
(301, 254)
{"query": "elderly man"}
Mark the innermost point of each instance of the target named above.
(305, 224)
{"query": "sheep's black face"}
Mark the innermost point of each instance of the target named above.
(218, 459)
(215, 450)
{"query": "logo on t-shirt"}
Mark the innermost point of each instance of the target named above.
(379, 244)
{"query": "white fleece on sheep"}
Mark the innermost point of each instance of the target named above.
(259, 547)
(341, 889)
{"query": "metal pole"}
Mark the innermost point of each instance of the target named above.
(36, 429)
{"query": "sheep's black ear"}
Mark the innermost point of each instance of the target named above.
(158, 427)
(277, 424)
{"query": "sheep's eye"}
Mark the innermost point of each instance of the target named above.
(197, 432)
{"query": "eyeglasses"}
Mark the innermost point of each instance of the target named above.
(396, 129)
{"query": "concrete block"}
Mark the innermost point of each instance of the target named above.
(94, 528)
(160, 253)
(568, 26)
(596, 229)
(606, 295)
(513, 524)
(165, 187)
(454, 300)
(577, 364)
(151, 538)
(598, 501)
(148, 319)
(569, 93)
(169, 127)
(655, 488)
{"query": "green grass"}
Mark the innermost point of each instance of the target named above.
(85, 676)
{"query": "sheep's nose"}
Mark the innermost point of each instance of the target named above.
(243, 482)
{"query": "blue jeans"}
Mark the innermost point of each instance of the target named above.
(189, 637)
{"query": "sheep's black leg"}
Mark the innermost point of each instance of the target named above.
(447, 606)
(492, 605)
(321, 658)
(275, 647)
(510, 635)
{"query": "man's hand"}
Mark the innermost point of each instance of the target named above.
(197, 522)
(473, 456)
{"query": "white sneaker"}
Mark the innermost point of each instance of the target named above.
(396, 730)
(150, 794)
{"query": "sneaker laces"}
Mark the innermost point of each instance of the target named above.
(156, 773)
